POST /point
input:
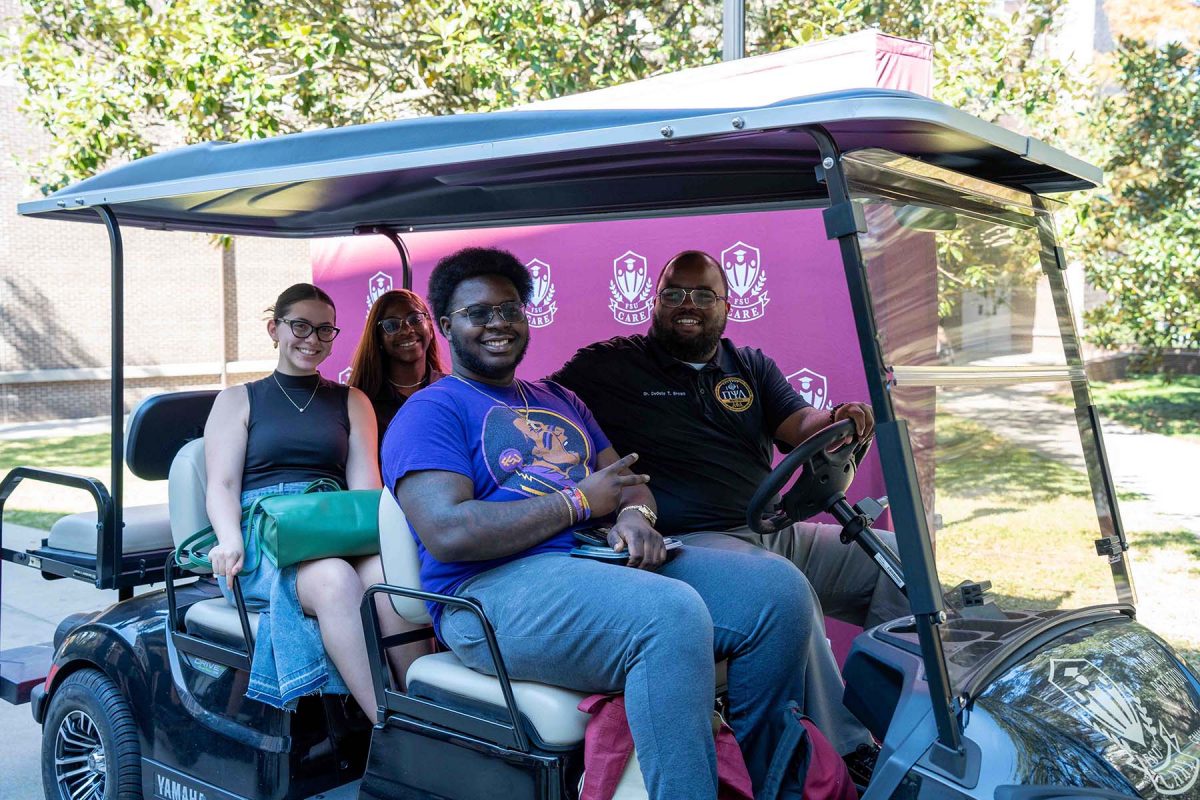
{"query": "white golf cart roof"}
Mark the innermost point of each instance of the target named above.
(541, 166)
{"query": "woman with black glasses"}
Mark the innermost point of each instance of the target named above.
(275, 436)
(397, 354)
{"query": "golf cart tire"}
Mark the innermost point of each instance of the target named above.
(101, 714)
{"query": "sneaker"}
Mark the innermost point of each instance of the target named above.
(861, 763)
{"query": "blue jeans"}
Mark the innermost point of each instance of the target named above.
(596, 627)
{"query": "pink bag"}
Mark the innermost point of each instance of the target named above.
(611, 769)
(805, 765)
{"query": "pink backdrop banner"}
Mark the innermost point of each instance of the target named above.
(596, 280)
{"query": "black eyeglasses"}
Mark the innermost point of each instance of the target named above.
(393, 325)
(701, 298)
(302, 328)
(480, 314)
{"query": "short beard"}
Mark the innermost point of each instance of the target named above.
(473, 363)
(693, 349)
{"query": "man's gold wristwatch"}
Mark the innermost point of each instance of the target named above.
(645, 510)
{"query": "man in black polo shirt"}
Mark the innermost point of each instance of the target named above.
(703, 416)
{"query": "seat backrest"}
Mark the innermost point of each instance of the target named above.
(186, 485)
(398, 551)
(160, 425)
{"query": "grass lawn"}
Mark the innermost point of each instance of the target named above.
(41, 520)
(69, 451)
(1027, 523)
(1151, 404)
(80, 455)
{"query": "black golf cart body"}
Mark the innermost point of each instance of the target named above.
(971, 698)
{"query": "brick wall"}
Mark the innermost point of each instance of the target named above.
(55, 293)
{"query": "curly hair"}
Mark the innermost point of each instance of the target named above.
(368, 370)
(472, 262)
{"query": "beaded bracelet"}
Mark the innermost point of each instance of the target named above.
(587, 507)
(578, 502)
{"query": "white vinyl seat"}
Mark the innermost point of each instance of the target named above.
(145, 529)
(551, 712)
(212, 619)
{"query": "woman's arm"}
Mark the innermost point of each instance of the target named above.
(362, 464)
(224, 458)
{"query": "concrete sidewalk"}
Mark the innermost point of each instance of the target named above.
(30, 609)
(1159, 468)
(57, 428)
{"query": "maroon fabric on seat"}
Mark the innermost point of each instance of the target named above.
(608, 744)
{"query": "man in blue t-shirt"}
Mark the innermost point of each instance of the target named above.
(495, 474)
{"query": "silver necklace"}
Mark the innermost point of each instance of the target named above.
(289, 397)
(521, 412)
(409, 385)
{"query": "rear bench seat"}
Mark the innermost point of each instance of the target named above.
(157, 428)
(146, 528)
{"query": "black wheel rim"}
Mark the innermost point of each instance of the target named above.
(79, 761)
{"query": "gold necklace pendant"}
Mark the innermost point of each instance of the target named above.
(289, 397)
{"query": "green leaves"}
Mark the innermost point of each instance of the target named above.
(1141, 239)
(113, 80)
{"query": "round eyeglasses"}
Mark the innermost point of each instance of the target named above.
(393, 325)
(301, 328)
(701, 298)
(480, 314)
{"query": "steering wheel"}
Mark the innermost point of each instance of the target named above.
(826, 476)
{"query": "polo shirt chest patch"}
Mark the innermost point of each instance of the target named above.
(734, 394)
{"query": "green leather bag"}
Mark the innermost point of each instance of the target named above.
(322, 521)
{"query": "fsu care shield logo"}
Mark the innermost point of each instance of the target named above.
(542, 305)
(631, 289)
(812, 386)
(747, 282)
(379, 284)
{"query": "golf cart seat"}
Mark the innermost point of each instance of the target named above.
(146, 528)
(550, 713)
(214, 619)
(157, 428)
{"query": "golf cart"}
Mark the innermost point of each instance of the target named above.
(1005, 682)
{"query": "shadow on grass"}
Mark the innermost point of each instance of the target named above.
(1152, 404)
(971, 460)
(981, 513)
(1186, 541)
(1010, 602)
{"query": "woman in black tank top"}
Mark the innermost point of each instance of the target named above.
(274, 436)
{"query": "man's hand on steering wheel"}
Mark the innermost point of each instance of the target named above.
(862, 416)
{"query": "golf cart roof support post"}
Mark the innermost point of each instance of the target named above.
(895, 449)
(1104, 490)
(111, 530)
(394, 238)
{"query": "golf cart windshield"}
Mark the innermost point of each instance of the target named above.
(975, 330)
